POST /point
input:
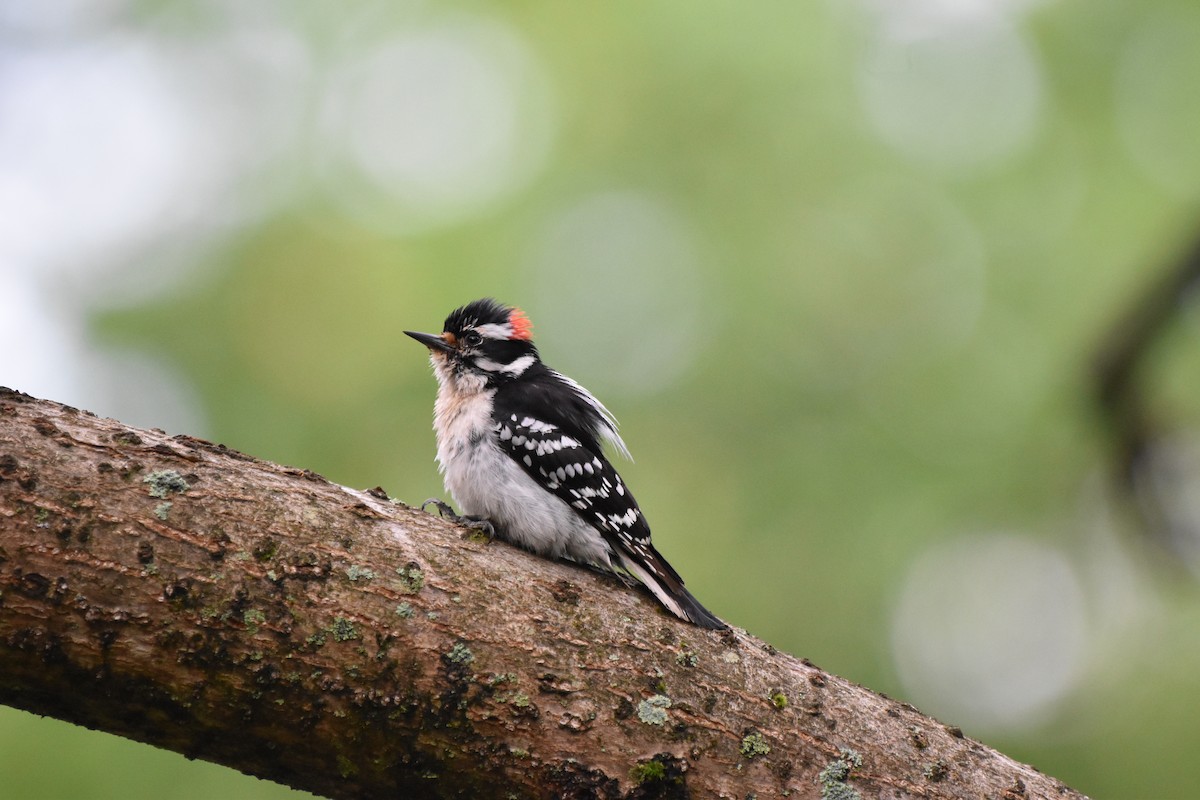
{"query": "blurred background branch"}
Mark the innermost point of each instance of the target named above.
(1146, 458)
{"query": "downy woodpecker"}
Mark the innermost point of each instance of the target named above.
(519, 447)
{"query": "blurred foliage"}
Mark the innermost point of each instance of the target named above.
(855, 352)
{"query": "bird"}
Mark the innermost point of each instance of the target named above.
(520, 449)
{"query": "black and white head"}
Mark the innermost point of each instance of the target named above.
(484, 343)
(487, 346)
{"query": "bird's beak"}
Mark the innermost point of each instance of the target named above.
(433, 341)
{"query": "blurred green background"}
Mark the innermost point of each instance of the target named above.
(840, 269)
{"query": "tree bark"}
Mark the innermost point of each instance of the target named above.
(176, 592)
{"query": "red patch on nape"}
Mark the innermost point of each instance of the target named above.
(521, 326)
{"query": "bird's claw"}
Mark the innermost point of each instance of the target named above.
(479, 525)
(444, 509)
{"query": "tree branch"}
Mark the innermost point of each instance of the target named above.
(179, 593)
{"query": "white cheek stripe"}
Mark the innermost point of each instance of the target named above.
(520, 365)
(517, 367)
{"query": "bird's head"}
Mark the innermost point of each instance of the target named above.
(483, 342)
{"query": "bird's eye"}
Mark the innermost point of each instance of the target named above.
(472, 339)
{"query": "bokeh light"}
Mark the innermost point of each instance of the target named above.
(104, 111)
(53, 19)
(962, 93)
(429, 125)
(619, 280)
(990, 630)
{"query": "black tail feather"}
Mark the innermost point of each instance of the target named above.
(697, 613)
(645, 563)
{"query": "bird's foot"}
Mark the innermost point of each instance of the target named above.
(480, 526)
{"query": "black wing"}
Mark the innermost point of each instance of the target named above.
(576, 473)
(584, 479)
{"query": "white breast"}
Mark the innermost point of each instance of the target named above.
(460, 419)
(484, 481)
